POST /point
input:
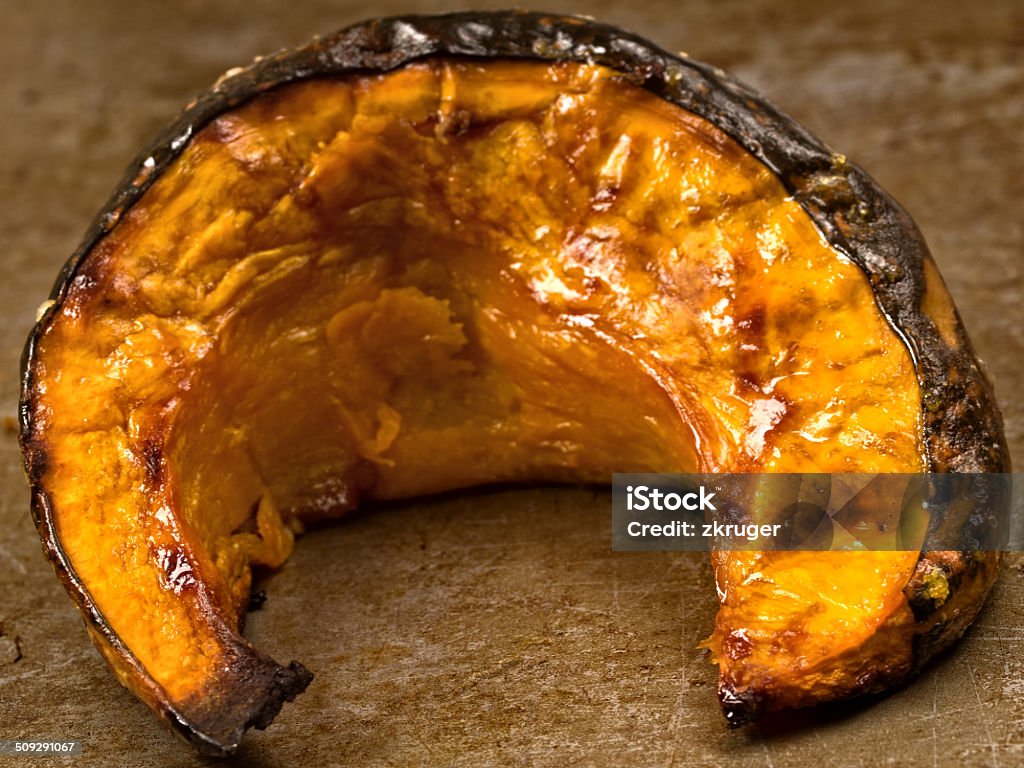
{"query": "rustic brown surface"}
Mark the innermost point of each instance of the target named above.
(498, 628)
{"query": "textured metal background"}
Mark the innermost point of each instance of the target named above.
(499, 628)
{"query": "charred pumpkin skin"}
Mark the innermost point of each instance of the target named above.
(961, 425)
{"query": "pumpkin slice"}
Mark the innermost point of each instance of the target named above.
(436, 252)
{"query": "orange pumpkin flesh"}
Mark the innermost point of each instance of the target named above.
(458, 273)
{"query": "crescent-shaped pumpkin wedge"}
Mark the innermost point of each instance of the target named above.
(427, 253)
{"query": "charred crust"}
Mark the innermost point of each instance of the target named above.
(257, 599)
(35, 457)
(740, 706)
(944, 612)
(250, 695)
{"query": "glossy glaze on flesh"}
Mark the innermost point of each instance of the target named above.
(446, 276)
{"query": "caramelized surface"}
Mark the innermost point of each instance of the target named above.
(455, 274)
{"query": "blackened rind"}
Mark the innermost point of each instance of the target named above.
(249, 696)
(962, 425)
(740, 706)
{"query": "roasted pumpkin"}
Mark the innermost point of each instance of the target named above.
(427, 253)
